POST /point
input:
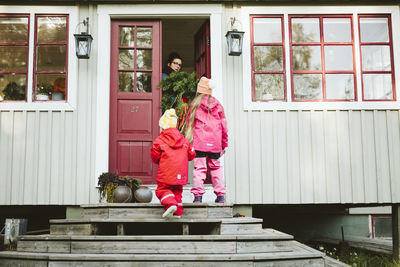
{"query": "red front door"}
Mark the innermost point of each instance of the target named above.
(134, 97)
(202, 51)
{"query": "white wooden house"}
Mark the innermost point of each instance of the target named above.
(312, 102)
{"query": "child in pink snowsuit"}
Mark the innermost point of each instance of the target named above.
(206, 124)
(172, 151)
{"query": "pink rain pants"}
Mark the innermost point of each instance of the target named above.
(200, 172)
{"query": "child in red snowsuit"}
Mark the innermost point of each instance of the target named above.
(172, 151)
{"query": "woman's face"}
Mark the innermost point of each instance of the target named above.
(176, 64)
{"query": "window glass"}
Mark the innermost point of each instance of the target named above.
(339, 86)
(306, 57)
(125, 81)
(51, 57)
(12, 87)
(375, 58)
(339, 57)
(143, 59)
(143, 82)
(51, 29)
(268, 58)
(269, 86)
(50, 87)
(377, 86)
(267, 30)
(307, 86)
(374, 30)
(127, 36)
(13, 58)
(305, 30)
(13, 30)
(126, 59)
(337, 29)
(144, 37)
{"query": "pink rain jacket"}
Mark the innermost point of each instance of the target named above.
(210, 133)
(172, 151)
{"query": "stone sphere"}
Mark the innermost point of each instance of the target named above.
(143, 194)
(122, 194)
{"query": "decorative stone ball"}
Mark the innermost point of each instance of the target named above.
(122, 194)
(143, 194)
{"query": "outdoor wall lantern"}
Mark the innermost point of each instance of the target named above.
(83, 41)
(234, 39)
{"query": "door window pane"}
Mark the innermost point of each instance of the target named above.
(338, 57)
(268, 58)
(375, 57)
(13, 58)
(374, 30)
(143, 59)
(126, 81)
(52, 29)
(337, 29)
(126, 59)
(144, 37)
(143, 82)
(307, 86)
(269, 86)
(305, 30)
(127, 36)
(12, 87)
(13, 30)
(267, 30)
(377, 86)
(306, 57)
(51, 57)
(340, 86)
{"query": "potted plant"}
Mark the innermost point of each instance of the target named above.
(43, 92)
(108, 182)
(178, 91)
(13, 91)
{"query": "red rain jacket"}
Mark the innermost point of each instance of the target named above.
(172, 151)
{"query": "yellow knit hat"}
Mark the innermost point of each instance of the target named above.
(168, 120)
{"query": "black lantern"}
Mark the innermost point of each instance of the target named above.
(235, 41)
(83, 42)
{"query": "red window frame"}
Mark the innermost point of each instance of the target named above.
(36, 44)
(390, 44)
(253, 71)
(18, 44)
(322, 45)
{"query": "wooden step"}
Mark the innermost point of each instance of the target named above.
(241, 225)
(199, 244)
(149, 226)
(304, 258)
(154, 210)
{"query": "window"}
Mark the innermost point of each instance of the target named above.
(268, 64)
(14, 38)
(49, 56)
(322, 58)
(376, 57)
(314, 60)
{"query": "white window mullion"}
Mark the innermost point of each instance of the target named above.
(30, 57)
(287, 57)
(357, 56)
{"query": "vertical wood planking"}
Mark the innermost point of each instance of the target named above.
(382, 157)
(69, 171)
(344, 156)
(331, 157)
(242, 161)
(255, 168)
(17, 156)
(29, 182)
(55, 160)
(61, 158)
(369, 156)
(6, 137)
(43, 181)
(267, 157)
(356, 151)
(293, 168)
(318, 156)
(280, 158)
(305, 158)
(394, 153)
(35, 159)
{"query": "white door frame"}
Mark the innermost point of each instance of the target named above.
(108, 12)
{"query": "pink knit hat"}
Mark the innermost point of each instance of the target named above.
(203, 86)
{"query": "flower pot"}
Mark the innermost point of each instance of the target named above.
(122, 194)
(42, 97)
(143, 194)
